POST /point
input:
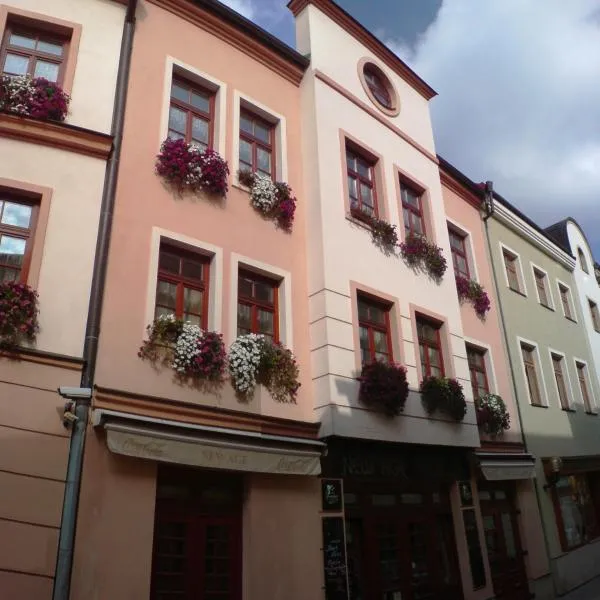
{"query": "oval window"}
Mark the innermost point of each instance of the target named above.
(379, 88)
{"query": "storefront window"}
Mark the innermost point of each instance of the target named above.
(577, 511)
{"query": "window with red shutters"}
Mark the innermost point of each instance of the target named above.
(430, 348)
(412, 210)
(258, 301)
(191, 113)
(361, 184)
(257, 144)
(17, 227)
(34, 52)
(374, 330)
(458, 247)
(182, 287)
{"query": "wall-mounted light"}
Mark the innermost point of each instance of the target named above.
(554, 475)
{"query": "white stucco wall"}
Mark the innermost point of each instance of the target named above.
(587, 288)
(101, 24)
(342, 252)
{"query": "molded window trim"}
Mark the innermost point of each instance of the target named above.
(507, 251)
(594, 314)
(489, 361)
(561, 284)
(536, 271)
(522, 344)
(582, 366)
(564, 371)
(468, 242)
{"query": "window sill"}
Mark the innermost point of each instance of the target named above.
(57, 135)
(591, 413)
(571, 319)
(240, 186)
(547, 307)
(568, 409)
(538, 405)
(350, 217)
(519, 292)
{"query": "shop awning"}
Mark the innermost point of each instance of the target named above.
(501, 466)
(209, 447)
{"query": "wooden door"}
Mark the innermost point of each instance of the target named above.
(503, 542)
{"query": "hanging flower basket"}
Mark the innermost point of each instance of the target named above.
(187, 167)
(420, 253)
(190, 351)
(384, 386)
(37, 98)
(274, 200)
(444, 395)
(473, 292)
(383, 234)
(18, 313)
(492, 415)
(256, 359)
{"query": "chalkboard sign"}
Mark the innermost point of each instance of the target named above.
(331, 494)
(334, 559)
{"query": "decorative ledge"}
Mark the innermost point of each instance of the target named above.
(32, 355)
(57, 135)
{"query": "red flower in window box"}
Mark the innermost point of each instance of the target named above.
(185, 166)
(383, 234)
(492, 415)
(417, 251)
(18, 313)
(37, 98)
(384, 386)
(445, 395)
(473, 292)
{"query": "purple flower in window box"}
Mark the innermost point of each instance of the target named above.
(418, 252)
(492, 415)
(473, 292)
(37, 98)
(384, 386)
(445, 395)
(185, 166)
(18, 313)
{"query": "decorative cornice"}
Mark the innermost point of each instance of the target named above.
(41, 357)
(460, 190)
(229, 33)
(151, 406)
(365, 37)
(373, 113)
(57, 135)
(520, 227)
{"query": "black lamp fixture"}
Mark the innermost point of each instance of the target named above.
(554, 475)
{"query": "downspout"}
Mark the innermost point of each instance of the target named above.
(489, 211)
(64, 563)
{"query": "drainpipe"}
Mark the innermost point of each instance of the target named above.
(489, 211)
(64, 563)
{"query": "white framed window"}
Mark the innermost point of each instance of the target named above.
(584, 386)
(202, 114)
(212, 255)
(259, 136)
(461, 248)
(566, 300)
(562, 379)
(513, 270)
(243, 265)
(542, 286)
(481, 366)
(533, 375)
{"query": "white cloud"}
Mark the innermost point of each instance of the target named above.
(519, 100)
(244, 7)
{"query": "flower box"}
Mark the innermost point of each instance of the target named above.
(37, 98)
(255, 359)
(473, 292)
(383, 234)
(273, 199)
(445, 395)
(492, 415)
(18, 314)
(384, 386)
(418, 252)
(187, 167)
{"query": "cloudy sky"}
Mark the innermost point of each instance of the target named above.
(519, 90)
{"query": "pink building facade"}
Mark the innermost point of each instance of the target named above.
(189, 488)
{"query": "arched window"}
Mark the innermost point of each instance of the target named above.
(582, 261)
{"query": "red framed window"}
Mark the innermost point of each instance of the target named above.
(430, 348)
(478, 371)
(191, 113)
(583, 386)
(374, 330)
(412, 210)
(510, 264)
(257, 310)
(559, 378)
(29, 51)
(362, 190)
(18, 218)
(257, 144)
(566, 301)
(458, 247)
(528, 354)
(540, 283)
(182, 286)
